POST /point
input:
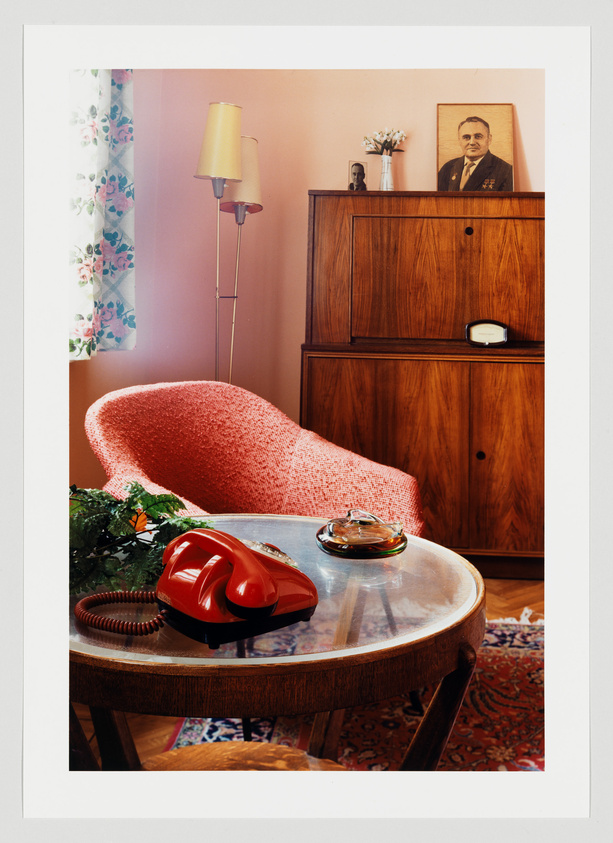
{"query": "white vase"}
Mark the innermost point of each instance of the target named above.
(386, 182)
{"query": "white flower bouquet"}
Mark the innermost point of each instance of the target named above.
(384, 143)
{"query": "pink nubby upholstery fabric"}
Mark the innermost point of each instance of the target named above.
(222, 449)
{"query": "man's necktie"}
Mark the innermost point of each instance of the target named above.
(466, 174)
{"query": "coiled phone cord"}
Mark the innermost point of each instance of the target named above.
(83, 614)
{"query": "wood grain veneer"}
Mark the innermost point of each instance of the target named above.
(393, 279)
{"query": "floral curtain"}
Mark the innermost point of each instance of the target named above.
(102, 213)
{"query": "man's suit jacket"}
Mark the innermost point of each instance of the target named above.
(492, 174)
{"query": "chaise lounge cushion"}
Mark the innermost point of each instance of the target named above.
(223, 449)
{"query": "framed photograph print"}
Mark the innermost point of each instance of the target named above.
(475, 146)
(357, 175)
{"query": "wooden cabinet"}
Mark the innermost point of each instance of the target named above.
(393, 280)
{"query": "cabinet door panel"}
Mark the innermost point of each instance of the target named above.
(407, 278)
(409, 414)
(506, 276)
(330, 260)
(507, 456)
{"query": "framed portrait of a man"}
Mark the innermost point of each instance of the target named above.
(475, 146)
(357, 175)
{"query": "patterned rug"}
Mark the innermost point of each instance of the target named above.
(500, 725)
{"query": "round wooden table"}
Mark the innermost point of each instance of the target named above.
(382, 627)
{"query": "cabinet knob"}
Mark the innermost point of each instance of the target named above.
(480, 455)
(468, 230)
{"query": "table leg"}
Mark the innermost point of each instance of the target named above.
(325, 734)
(81, 756)
(241, 648)
(391, 621)
(430, 740)
(327, 725)
(115, 742)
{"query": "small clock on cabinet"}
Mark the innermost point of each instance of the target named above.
(486, 332)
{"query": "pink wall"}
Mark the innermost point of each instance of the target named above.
(309, 125)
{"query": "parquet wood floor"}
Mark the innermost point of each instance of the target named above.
(504, 599)
(508, 599)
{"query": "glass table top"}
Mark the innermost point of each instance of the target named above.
(364, 605)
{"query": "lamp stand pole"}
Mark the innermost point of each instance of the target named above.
(240, 213)
(218, 189)
(217, 299)
(238, 250)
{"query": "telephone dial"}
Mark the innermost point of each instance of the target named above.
(215, 588)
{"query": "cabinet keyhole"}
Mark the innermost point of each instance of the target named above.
(480, 455)
(468, 230)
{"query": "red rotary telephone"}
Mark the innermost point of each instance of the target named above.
(215, 589)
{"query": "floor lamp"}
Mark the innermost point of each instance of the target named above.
(220, 161)
(243, 198)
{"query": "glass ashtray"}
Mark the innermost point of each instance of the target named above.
(361, 535)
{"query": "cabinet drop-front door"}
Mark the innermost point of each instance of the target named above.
(424, 277)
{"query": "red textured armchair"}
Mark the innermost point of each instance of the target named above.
(222, 449)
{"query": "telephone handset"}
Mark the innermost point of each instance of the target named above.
(215, 589)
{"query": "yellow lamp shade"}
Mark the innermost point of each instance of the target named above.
(248, 191)
(220, 153)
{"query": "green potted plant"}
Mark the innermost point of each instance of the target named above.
(119, 544)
